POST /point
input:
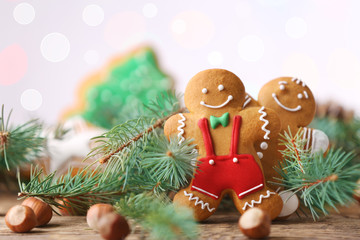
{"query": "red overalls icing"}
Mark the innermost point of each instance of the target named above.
(239, 172)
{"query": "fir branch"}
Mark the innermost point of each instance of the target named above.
(123, 135)
(87, 187)
(159, 216)
(322, 182)
(20, 144)
(128, 172)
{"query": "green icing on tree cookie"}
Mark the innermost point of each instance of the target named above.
(129, 85)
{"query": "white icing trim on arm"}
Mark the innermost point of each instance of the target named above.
(230, 97)
(266, 122)
(253, 202)
(284, 107)
(197, 202)
(247, 100)
(181, 128)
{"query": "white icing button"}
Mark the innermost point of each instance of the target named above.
(300, 96)
(221, 87)
(260, 155)
(263, 145)
(204, 90)
(282, 87)
(211, 162)
(235, 160)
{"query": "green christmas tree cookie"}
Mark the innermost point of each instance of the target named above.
(115, 95)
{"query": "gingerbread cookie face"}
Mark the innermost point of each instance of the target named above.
(214, 91)
(290, 98)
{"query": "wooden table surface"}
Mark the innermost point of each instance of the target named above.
(345, 224)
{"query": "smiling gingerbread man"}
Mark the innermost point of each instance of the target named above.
(294, 102)
(217, 123)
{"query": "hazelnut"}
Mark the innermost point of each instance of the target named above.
(255, 223)
(20, 219)
(291, 204)
(113, 226)
(42, 210)
(95, 213)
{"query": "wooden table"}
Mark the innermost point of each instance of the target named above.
(222, 225)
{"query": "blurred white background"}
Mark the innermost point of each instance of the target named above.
(48, 47)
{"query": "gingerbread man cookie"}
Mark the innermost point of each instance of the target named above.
(294, 102)
(217, 123)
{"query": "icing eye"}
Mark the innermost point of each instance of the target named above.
(300, 96)
(204, 90)
(282, 87)
(221, 87)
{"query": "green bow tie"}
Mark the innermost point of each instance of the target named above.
(223, 120)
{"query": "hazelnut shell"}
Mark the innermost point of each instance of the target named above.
(96, 212)
(255, 223)
(113, 226)
(20, 219)
(42, 210)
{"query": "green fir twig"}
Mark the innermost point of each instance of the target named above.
(123, 135)
(20, 144)
(321, 182)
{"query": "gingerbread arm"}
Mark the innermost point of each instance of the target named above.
(175, 126)
(265, 125)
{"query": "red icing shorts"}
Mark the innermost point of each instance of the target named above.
(239, 172)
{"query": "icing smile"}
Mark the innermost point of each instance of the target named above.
(218, 106)
(284, 107)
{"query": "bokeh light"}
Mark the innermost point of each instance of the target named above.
(24, 13)
(55, 47)
(150, 10)
(93, 15)
(13, 64)
(31, 99)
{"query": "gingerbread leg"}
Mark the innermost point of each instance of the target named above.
(266, 199)
(202, 205)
